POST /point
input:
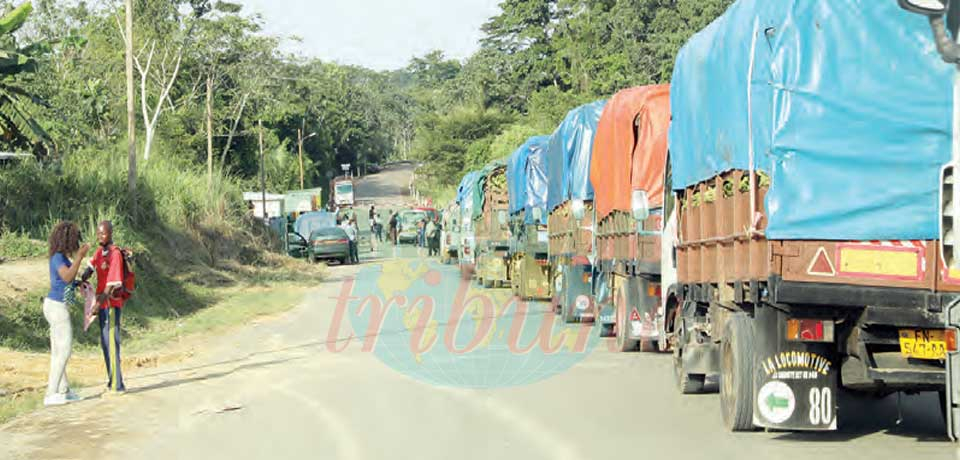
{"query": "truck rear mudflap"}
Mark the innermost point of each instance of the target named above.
(795, 382)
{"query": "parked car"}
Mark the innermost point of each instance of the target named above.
(329, 243)
(310, 228)
(408, 225)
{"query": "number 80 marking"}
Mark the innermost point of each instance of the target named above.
(821, 406)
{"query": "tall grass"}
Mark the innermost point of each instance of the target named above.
(188, 233)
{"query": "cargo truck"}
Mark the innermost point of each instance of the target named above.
(527, 254)
(629, 152)
(450, 234)
(490, 225)
(571, 218)
(341, 189)
(801, 246)
(465, 197)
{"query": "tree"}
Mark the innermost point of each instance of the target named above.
(17, 103)
(165, 72)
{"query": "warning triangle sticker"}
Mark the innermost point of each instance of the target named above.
(821, 265)
(634, 316)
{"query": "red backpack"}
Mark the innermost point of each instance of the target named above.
(129, 278)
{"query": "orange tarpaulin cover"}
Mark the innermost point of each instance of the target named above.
(630, 148)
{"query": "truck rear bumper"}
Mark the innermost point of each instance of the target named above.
(872, 318)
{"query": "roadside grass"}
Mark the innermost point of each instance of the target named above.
(11, 407)
(16, 245)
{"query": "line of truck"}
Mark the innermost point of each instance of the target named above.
(779, 215)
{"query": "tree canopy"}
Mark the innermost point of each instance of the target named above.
(63, 92)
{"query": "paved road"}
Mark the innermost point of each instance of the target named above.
(274, 390)
(392, 185)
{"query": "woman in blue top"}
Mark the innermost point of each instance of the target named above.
(64, 242)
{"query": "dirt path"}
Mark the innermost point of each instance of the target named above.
(18, 277)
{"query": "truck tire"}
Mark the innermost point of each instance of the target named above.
(736, 373)
(624, 343)
(687, 383)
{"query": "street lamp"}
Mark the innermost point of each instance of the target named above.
(300, 140)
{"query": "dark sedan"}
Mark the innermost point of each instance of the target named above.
(329, 243)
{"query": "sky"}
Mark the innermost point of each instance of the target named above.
(378, 34)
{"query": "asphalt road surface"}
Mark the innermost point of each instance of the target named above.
(275, 390)
(389, 187)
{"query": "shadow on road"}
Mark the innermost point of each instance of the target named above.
(860, 416)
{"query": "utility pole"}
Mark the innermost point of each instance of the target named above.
(210, 132)
(300, 153)
(131, 112)
(300, 139)
(263, 173)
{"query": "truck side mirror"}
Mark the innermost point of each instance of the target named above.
(927, 7)
(640, 205)
(577, 207)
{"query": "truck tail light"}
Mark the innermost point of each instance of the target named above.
(809, 330)
(950, 336)
(587, 277)
(653, 290)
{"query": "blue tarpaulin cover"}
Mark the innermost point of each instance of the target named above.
(465, 195)
(537, 180)
(568, 156)
(309, 222)
(526, 179)
(464, 186)
(850, 109)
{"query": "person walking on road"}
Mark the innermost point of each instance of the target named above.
(428, 236)
(64, 243)
(378, 227)
(433, 238)
(348, 227)
(393, 228)
(108, 264)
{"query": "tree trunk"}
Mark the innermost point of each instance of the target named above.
(131, 111)
(210, 131)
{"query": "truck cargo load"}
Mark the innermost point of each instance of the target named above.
(568, 157)
(805, 155)
(465, 197)
(629, 157)
(850, 111)
(526, 182)
(571, 220)
(490, 225)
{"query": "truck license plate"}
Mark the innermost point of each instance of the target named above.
(923, 343)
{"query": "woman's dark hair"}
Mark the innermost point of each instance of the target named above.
(65, 239)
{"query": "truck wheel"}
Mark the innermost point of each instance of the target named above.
(649, 346)
(569, 316)
(624, 343)
(736, 373)
(687, 383)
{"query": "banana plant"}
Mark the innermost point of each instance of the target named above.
(18, 125)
